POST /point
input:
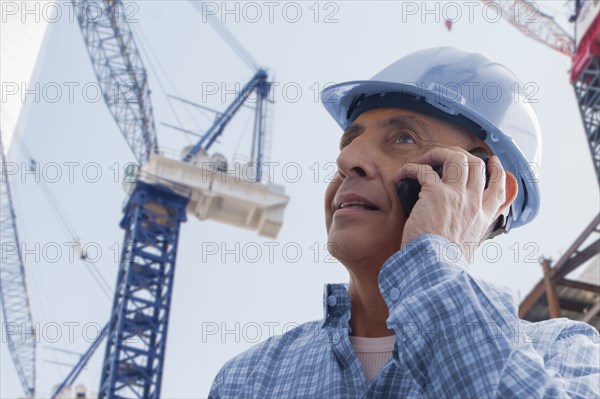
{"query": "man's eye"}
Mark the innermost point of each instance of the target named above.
(404, 138)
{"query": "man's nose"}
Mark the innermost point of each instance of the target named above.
(358, 158)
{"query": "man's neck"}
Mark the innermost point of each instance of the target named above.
(369, 310)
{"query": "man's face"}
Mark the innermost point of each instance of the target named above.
(363, 215)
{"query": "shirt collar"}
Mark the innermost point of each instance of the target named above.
(336, 306)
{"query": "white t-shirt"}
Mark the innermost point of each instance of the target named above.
(373, 353)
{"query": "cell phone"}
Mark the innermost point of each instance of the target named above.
(408, 189)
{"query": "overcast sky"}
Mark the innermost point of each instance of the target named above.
(232, 287)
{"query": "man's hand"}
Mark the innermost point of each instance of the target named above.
(456, 206)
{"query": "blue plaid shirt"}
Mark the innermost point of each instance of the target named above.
(457, 337)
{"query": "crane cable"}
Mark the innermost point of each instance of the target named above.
(151, 56)
(226, 36)
(65, 224)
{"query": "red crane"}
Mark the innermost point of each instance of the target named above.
(584, 50)
(567, 297)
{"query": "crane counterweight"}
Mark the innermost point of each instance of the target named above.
(231, 198)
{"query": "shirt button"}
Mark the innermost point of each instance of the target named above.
(331, 300)
(336, 338)
(394, 294)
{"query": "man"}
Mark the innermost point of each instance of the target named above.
(412, 322)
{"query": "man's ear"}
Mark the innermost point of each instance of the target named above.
(511, 188)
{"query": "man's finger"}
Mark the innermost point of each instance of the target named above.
(477, 173)
(455, 163)
(495, 195)
(424, 174)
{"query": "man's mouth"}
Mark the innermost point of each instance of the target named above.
(369, 207)
(354, 201)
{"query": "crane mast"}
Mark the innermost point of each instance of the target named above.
(137, 337)
(137, 328)
(18, 324)
(587, 90)
(158, 203)
(585, 73)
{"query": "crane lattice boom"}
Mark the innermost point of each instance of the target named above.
(18, 324)
(527, 18)
(120, 72)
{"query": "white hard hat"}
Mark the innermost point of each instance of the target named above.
(463, 88)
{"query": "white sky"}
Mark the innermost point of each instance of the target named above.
(185, 56)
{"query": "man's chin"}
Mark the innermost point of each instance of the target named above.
(351, 245)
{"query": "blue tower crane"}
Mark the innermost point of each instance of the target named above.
(151, 222)
(18, 324)
(158, 203)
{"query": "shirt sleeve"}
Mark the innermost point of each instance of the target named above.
(214, 392)
(460, 336)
